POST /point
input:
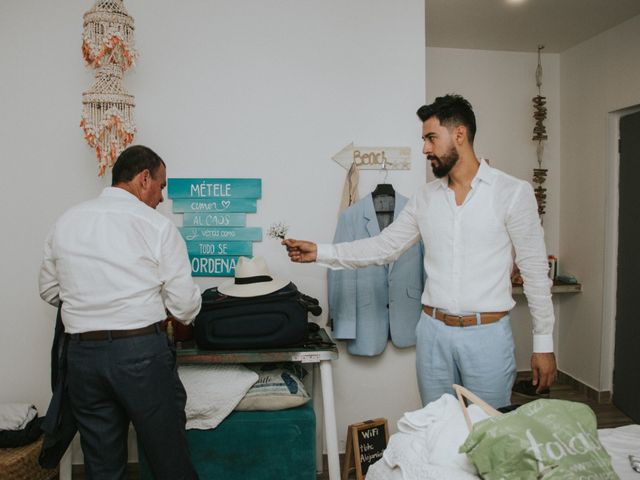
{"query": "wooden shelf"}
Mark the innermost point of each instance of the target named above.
(556, 288)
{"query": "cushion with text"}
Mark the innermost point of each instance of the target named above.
(550, 439)
(278, 387)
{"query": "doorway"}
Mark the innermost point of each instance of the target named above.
(626, 375)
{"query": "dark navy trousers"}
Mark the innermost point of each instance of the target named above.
(114, 382)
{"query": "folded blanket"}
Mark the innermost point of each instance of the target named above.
(18, 438)
(620, 443)
(16, 416)
(213, 391)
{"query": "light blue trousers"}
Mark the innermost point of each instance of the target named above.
(481, 358)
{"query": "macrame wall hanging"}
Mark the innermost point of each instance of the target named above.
(540, 135)
(107, 114)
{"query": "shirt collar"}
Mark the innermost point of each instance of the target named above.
(117, 192)
(485, 173)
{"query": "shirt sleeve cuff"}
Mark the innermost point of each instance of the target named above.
(324, 253)
(543, 343)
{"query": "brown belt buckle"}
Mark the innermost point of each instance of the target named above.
(461, 320)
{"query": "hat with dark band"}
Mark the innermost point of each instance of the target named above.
(252, 279)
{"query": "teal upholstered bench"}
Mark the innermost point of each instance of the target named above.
(277, 445)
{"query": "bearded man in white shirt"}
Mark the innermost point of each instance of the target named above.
(116, 264)
(471, 219)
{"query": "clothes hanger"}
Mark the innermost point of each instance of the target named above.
(384, 200)
(384, 188)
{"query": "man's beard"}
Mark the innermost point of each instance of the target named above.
(441, 166)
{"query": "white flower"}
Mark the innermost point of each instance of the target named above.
(278, 230)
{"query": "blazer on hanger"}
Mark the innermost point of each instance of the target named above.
(369, 305)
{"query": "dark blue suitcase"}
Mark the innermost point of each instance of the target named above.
(277, 319)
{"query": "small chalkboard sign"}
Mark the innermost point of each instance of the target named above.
(365, 443)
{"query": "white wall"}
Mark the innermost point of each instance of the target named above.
(224, 88)
(500, 86)
(45, 169)
(598, 77)
(273, 90)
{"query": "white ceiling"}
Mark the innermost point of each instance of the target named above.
(520, 25)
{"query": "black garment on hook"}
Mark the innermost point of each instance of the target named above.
(384, 203)
(384, 189)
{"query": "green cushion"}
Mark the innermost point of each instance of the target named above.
(551, 439)
(256, 445)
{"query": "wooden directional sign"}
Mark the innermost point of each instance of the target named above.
(214, 220)
(219, 248)
(213, 266)
(221, 233)
(224, 188)
(374, 158)
(183, 205)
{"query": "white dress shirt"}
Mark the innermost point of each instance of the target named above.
(116, 263)
(468, 248)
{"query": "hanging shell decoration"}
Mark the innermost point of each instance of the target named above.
(107, 114)
(540, 135)
(108, 35)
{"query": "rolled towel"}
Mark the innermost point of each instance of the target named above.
(16, 416)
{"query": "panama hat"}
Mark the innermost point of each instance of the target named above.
(252, 278)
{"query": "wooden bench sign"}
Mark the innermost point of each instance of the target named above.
(365, 443)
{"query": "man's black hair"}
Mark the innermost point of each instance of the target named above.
(451, 110)
(134, 160)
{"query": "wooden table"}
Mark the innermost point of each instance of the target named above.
(320, 355)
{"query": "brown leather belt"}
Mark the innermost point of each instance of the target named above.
(116, 334)
(463, 320)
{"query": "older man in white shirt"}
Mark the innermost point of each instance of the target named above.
(470, 218)
(116, 264)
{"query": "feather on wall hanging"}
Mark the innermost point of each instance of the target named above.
(107, 114)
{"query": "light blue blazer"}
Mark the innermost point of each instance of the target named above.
(367, 305)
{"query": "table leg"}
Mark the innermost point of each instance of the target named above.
(66, 464)
(317, 408)
(330, 432)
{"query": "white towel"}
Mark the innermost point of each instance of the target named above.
(426, 445)
(213, 391)
(16, 416)
(404, 459)
(441, 423)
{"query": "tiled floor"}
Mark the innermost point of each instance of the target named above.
(607, 414)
